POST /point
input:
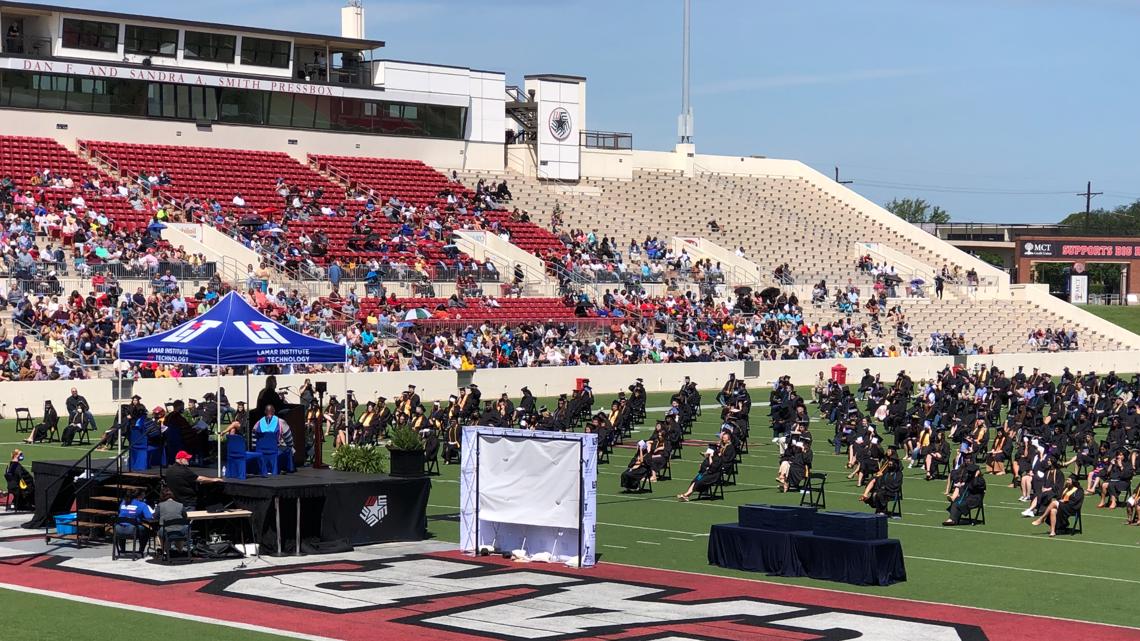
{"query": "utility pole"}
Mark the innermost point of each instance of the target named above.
(841, 182)
(685, 120)
(1088, 194)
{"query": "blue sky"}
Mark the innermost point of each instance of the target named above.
(997, 110)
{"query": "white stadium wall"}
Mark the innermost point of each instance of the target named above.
(297, 143)
(551, 381)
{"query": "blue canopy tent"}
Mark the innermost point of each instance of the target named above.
(231, 333)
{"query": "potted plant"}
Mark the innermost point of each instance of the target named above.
(365, 459)
(406, 450)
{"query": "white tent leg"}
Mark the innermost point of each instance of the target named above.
(218, 425)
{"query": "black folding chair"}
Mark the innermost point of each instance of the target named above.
(137, 550)
(169, 537)
(24, 421)
(976, 516)
(813, 493)
(895, 510)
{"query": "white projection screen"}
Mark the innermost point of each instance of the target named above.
(529, 481)
(532, 491)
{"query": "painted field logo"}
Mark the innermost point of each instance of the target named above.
(261, 333)
(191, 331)
(374, 510)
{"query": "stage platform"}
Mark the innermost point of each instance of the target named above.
(333, 507)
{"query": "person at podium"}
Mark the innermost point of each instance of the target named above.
(268, 396)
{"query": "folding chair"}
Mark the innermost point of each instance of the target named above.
(728, 475)
(895, 510)
(1076, 525)
(667, 473)
(941, 469)
(976, 516)
(24, 421)
(431, 465)
(174, 537)
(646, 485)
(137, 551)
(814, 494)
(714, 491)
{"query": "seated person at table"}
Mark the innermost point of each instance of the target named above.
(637, 469)
(134, 507)
(20, 483)
(969, 493)
(712, 466)
(169, 510)
(884, 486)
(1066, 506)
(183, 481)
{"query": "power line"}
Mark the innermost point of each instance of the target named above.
(963, 190)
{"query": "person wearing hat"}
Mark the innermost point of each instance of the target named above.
(637, 469)
(21, 485)
(183, 481)
(1067, 505)
(469, 401)
(126, 417)
(241, 420)
(526, 404)
(968, 494)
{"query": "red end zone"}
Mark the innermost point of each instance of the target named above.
(373, 595)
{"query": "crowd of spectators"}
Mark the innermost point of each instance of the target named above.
(586, 256)
(390, 237)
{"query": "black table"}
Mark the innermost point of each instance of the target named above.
(801, 553)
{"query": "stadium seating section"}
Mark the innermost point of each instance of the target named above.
(510, 310)
(21, 157)
(416, 183)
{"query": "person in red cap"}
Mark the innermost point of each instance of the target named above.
(183, 481)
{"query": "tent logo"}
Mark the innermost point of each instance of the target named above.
(261, 333)
(374, 510)
(191, 331)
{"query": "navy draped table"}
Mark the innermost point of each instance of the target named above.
(833, 546)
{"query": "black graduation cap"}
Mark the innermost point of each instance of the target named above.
(473, 385)
(136, 397)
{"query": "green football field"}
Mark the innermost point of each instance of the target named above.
(1004, 565)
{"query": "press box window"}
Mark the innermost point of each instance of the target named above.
(90, 35)
(151, 41)
(262, 52)
(211, 47)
